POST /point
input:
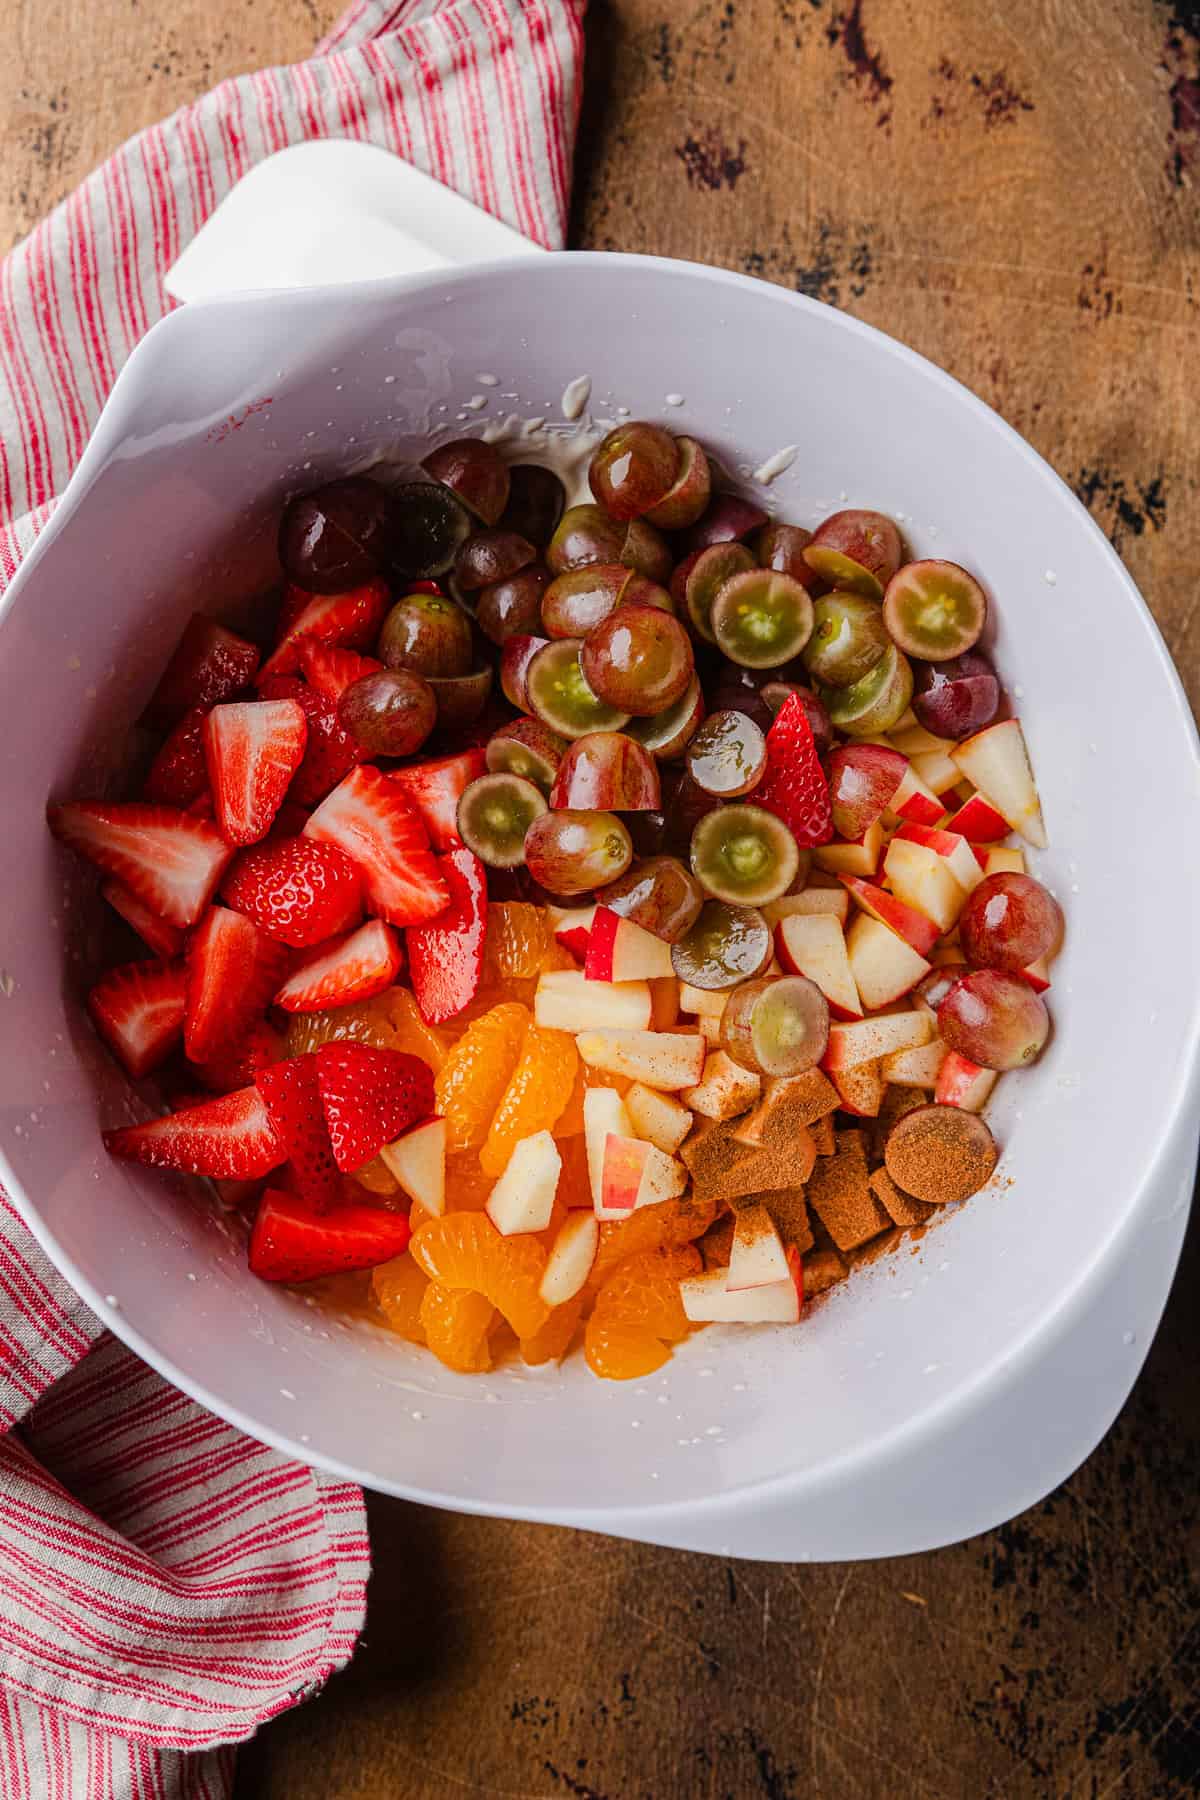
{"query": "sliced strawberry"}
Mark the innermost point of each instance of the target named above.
(366, 816)
(296, 889)
(294, 601)
(252, 748)
(233, 971)
(795, 787)
(165, 940)
(331, 752)
(138, 1011)
(292, 1241)
(354, 967)
(292, 1095)
(370, 1096)
(350, 620)
(209, 664)
(330, 671)
(446, 958)
(171, 860)
(178, 775)
(434, 789)
(231, 1138)
(242, 1061)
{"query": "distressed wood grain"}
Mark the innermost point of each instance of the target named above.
(1012, 190)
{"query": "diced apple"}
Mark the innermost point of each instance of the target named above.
(860, 858)
(664, 1002)
(571, 1257)
(702, 1000)
(959, 856)
(418, 1161)
(708, 1301)
(832, 900)
(660, 1059)
(710, 1028)
(1004, 859)
(885, 965)
(604, 1114)
(978, 822)
(914, 740)
(724, 1089)
(913, 926)
(963, 1083)
(915, 1068)
(860, 1090)
(659, 1118)
(757, 1256)
(915, 801)
(635, 1174)
(939, 775)
(813, 944)
(523, 1198)
(997, 761)
(572, 927)
(924, 881)
(1038, 975)
(567, 1001)
(866, 1040)
(619, 950)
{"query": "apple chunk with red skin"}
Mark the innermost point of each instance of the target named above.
(523, 1198)
(885, 965)
(660, 1059)
(860, 1090)
(813, 944)
(978, 822)
(659, 1118)
(565, 1000)
(572, 927)
(954, 849)
(757, 1256)
(858, 857)
(913, 926)
(996, 761)
(924, 880)
(866, 1040)
(619, 950)
(708, 1301)
(636, 1174)
(916, 801)
(963, 1083)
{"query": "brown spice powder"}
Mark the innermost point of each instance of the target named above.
(822, 1269)
(902, 1207)
(940, 1154)
(788, 1208)
(822, 1134)
(840, 1194)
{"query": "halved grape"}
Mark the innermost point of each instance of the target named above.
(958, 698)
(940, 1154)
(781, 547)
(557, 690)
(875, 703)
(474, 471)
(933, 988)
(526, 748)
(585, 534)
(728, 755)
(572, 852)
(726, 945)
(688, 804)
(658, 894)
(494, 816)
(776, 693)
(426, 524)
(857, 550)
(513, 607)
(578, 600)
(536, 498)
(667, 734)
(638, 659)
(777, 1025)
(995, 1019)
(633, 468)
(646, 550)
(863, 779)
(688, 495)
(607, 771)
(1009, 921)
(648, 830)
(848, 638)
(743, 691)
(729, 516)
(489, 556)
(710, 571)
(428, 633)
(335, 537)
(761, 619)
(744, 854)
(461, 698)
(389, 712)
(934, 610)
(515, 657)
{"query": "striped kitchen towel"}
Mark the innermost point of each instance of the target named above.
(167, 1584)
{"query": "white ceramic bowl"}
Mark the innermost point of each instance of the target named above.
(770, 1443)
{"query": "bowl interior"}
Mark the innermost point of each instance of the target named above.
(224, 409)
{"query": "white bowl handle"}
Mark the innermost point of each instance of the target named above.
(335, 210)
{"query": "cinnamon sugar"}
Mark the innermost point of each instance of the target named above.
(788, 1208)
(840, 1194)
(822, 1269)
(940, 1154)
(788, 1102)
(822, 1134)
(904, 1210)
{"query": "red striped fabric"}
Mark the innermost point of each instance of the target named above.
(167, 1584)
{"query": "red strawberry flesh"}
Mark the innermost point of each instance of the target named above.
(434, 789)
(165, 940)
(367, 818)
(209, 664)
(252, 749)
(351, 621)
(296, 889)
(292, 1241)
(446, 957)
(795, 787)
(292, 1095)
(178, 775)
(233, 972)
(330, 671)
(171, 860)
(343, 970)
(369, 1097)
(231, 1138)
(138, 1010)
(331, 752)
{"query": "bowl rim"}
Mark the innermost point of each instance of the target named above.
(939, 1415)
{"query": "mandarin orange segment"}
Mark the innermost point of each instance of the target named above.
(669, 1223)
(535, 1096)
(390, 1021)
(471, 1082)
(467, 1186)
(574, 1182)
(376, 1177)
(456, 1324)
(618, 1352)
(398, 1288)
(570, 1120)
(518, 937)
(638, 1311)
(464, 1250)
(552, 1342)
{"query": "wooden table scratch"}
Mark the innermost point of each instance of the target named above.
(1012, 189)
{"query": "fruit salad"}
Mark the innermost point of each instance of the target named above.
(565, 925)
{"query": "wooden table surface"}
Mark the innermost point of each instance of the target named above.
(1011, 189)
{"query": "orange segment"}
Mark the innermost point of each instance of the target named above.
(570, 1119)
(619, 1352)
(672, 1222)
(398, 1289)
(535, 1096)
(376, 1177)
(456, 1324)
(390, 1021)
(638, 1311)
(464, 1250)
(552, 1342)
(467, 1187)
(471, 1082)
